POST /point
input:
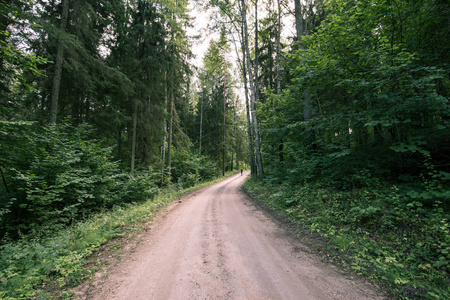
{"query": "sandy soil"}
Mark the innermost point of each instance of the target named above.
(215, 244)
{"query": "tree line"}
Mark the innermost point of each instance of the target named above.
(97, 97)
(361, 86)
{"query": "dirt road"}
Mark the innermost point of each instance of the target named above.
(215, 244)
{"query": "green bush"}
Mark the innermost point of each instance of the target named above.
(32, 266)
(188, 169)
(57, 175)
(135, 188)
(28, 264)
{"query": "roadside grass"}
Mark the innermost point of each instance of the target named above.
(40, 266)
(400, 245)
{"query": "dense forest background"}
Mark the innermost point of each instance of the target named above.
(339, 108)
(99, 108)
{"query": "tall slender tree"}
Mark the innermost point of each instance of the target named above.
(253, 94)
(278, 46)
(59, 62)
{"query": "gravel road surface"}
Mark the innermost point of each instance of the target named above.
(215, 244)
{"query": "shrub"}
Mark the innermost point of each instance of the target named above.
(189, 169)
(57, 175)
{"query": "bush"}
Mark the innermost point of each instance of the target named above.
(189, 169)
(34, 266)
(56, 175)
(137, 188)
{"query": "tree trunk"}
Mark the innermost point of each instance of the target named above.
(4, 23)
(224, 111)
(133, 141)
(58, 64)
(169, 150)
(307, 110)
(247, 106)
(256, 53)
(253, 169)
(233, 140)
(119, 143)
(298, 21)
(201, 122)
(163, 146)
(278, 37)
(4, 180)
(252, 98)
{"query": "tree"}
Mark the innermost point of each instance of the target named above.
(364, 80)
(278, 43)
(214, 95)
(58, 63)
(16, 65)
(253, 95)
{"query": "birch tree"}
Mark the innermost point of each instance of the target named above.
(253, 93)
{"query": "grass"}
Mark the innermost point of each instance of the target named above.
(48, 267)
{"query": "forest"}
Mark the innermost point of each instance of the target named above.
(338, 108)
(99, 108)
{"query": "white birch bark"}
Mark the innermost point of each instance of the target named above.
(252, 95)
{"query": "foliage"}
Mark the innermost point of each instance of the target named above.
(189, 169)
(380, 232)
(379, 102)
(217, 132)
(15, 63)
(33, 262)
(118, 58)
(56, 175)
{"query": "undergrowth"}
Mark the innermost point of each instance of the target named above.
(383, 234)
(31, 264)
